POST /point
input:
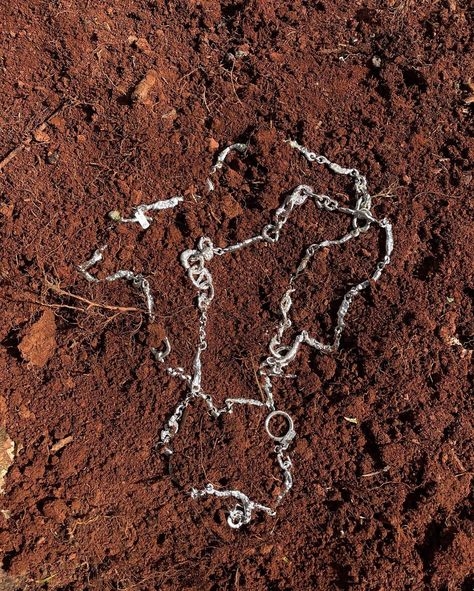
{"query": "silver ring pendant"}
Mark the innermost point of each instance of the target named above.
(290, 432)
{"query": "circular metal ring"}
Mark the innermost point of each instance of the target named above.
(270, 233)
(289, 434)
(235, 518)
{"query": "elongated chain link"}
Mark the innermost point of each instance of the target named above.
(281, 355)
(136, 279)
(139, 213)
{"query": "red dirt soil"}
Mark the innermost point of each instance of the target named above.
(380, 504)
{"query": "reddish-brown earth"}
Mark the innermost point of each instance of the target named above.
(380, 504)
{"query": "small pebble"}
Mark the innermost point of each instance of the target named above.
(115, 215)
(140, 94)
(213, 145)
(53, 157)
(376, 61)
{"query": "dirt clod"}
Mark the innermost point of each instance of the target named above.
(143, 88)
(231, 207)
(55, 509)
(39, 343)
(41, 136)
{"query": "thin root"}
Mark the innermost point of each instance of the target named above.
(90, 303)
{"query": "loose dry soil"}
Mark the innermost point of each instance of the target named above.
(147, 93)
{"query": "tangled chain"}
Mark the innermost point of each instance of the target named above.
(281, 354)
(195, 262)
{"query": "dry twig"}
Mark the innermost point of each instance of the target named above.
(27, 141)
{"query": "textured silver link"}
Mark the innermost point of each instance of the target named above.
(139, 212)
(136, 279)
(286, 437)
(220, 161)
(241, 514)
(161, 355)
(95, 258)
(281, 355)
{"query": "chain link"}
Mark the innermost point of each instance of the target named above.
(136, 279)
(139, 213)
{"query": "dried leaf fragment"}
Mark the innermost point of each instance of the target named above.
(7, 455)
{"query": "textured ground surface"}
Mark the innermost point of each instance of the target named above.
(379, 504)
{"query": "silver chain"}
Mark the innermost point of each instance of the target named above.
(195, 262)
(137, 279)
(281, 354)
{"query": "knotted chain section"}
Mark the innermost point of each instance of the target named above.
(281, 354)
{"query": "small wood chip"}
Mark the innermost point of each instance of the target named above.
(7, 455)
(61, 443)
(41, 136)
(143, 45)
